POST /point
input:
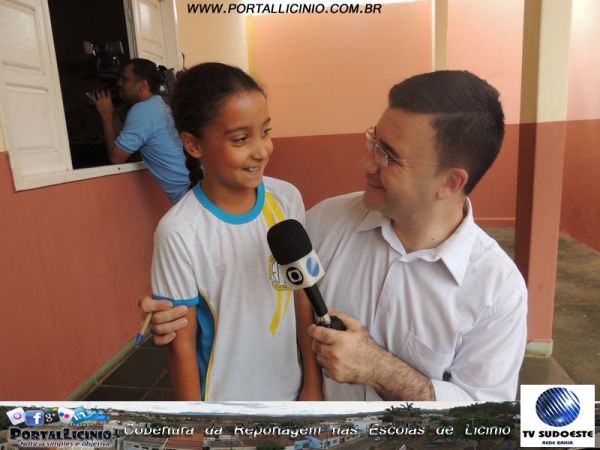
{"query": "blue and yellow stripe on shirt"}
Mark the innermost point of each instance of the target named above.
(273, 214)
(205, 340)
(205, 335)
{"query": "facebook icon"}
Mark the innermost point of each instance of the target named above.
(34, 417)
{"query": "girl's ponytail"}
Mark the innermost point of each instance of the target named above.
(195, 170)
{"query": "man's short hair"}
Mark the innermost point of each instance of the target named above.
(144, 69)
(467, 117)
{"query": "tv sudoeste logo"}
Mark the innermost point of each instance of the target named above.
(557, 416)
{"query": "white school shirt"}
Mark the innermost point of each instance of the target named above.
(221, 264)
(456, 313)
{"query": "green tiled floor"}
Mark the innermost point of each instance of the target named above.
(142, 376)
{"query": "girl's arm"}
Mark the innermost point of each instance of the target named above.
(183, 361)
(311, 379)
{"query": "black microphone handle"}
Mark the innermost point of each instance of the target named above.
(316, 300)
(336, 324)
(318, 304)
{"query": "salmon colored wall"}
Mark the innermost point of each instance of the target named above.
(319, 166)
(536, 234)
(329, 74)
(580, 215)
(306, 161)
(486, 37)
(75, 259)
(495, 197)
(584, 62)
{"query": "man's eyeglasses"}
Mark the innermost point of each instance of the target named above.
(383, 152)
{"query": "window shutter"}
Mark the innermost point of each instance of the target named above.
(149, 33)
(31, 111)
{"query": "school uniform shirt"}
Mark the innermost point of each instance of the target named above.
(221, 264)
(149, 128)
(456, 313)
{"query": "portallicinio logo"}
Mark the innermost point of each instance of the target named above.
(557, 407)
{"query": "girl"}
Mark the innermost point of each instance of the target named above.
(211, 253)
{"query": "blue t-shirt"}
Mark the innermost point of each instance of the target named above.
(149, 128)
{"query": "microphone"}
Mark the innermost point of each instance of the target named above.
(298, 262)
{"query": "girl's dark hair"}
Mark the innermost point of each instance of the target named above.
(198, 96)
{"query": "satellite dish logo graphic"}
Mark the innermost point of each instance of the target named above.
(557, 407)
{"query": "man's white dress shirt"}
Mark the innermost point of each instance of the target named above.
(456, 313)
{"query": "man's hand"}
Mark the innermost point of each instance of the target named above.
(346, 356)
(353, 357)
(166, 320)
(103, 102)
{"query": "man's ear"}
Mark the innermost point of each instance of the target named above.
(191, 145)
(454, 181)
(143, 86)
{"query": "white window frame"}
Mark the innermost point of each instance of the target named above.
(32, 181)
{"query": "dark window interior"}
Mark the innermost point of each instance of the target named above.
(99, 22)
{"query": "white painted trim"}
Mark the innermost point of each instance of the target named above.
(171, 46)
(52, 178)
(439, 38)
(553, 72)
(127, 8)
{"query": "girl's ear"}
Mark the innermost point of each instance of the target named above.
(191, 145)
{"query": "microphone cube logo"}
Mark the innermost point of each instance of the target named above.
(303, 273)
(294, 275)
(16, 416)
(557, 416)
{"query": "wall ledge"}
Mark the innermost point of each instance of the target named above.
(107, 368)
(539, 349)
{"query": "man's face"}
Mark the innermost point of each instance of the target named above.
(406, 187)
(129, 86)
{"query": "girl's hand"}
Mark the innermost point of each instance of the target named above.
(166, 320)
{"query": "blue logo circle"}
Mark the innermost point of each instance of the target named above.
(557, 407)
(313, 266)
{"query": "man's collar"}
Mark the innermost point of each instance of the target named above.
(375, 219)
(454, 251)
(372, 219)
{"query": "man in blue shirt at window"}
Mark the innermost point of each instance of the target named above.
(148, 127)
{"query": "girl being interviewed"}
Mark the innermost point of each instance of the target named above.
(211, 252)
